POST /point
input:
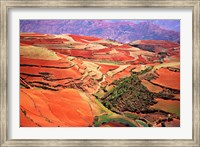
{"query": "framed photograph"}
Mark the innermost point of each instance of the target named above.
(100, 73)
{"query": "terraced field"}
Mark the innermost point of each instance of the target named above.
(81, 81)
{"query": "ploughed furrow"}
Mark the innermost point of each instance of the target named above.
(46, 66)
(165, 79)
(52, 74)
(45, 63)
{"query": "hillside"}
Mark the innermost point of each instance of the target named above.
(84, 81)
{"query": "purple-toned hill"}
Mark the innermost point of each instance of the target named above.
(124, 31)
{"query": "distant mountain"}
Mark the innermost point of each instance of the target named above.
(168, 24)
(121, 31)
(172, 24)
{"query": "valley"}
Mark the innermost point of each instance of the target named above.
(69, 80)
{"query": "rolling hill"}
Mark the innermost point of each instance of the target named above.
(70, 80)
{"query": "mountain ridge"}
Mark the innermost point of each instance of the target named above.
(123, 32)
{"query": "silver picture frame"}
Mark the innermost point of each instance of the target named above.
(4, 60)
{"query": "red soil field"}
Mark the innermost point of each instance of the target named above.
(105, 67)
(32, 35)
(127, 53)
(81, 53)
(162, 43)
(43, 41)
(82, 38)
(102, 51)
(24, 44)
(75, 52)
(89, 38)
(41, 81)
(47, 108)
(108, 80)
(151, 87)
(108, 45)
(27, 42)
(62, 106)
(62, 56)
(173, 123)
(122, 74)
(72, 72)
(41, 62)
(78, 61)
(113, 57)
(171, 106)
(168, 78)
(140, 60)
(26, 102)
(124, 46)
(25, 121)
